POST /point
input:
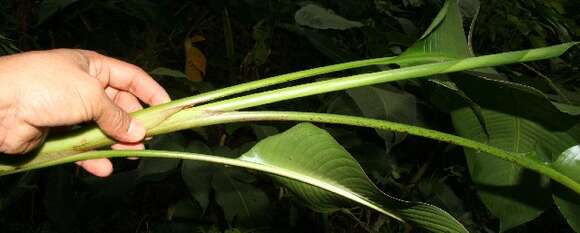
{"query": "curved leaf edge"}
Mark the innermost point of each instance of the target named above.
(273, 170)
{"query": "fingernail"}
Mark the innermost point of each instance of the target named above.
(160, 100)
(136, 130)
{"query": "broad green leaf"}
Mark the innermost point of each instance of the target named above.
(518, 158)
(538, 96)
(517, 121)
(444, 40)
(569, 202)
(569, 162)
(445, 37)
(446, 95)
(496, 178)
(438, 20)
(317, 17)
(499, 202)
(386, 104)
(312, 152)
(501, 184)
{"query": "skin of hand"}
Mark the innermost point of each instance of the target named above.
(63, 87)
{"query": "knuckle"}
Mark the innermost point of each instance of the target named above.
(120, 121)
(21, 142)
(12, 147)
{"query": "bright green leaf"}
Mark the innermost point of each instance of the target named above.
(567, 201)
(444, 38)
(313, 152)
(569, 162)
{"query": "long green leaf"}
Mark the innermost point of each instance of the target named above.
(220, 118)
(290, 155)
(313, 152)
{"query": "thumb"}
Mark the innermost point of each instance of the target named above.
(118, 124)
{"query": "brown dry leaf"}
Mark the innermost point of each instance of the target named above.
(195, 61)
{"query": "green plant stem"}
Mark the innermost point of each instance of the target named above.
(320, 87)
(172, 115)
(253, 85)
(406, 73)
(521, 159)
(92, 138)
(205, 118)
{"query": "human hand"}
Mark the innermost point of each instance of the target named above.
(64, 87)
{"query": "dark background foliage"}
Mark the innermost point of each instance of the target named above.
(156, 195)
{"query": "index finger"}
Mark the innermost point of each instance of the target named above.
(127, 77)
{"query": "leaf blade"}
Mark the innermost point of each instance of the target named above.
(313, 152)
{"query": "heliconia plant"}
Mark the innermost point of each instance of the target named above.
(317, 169)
